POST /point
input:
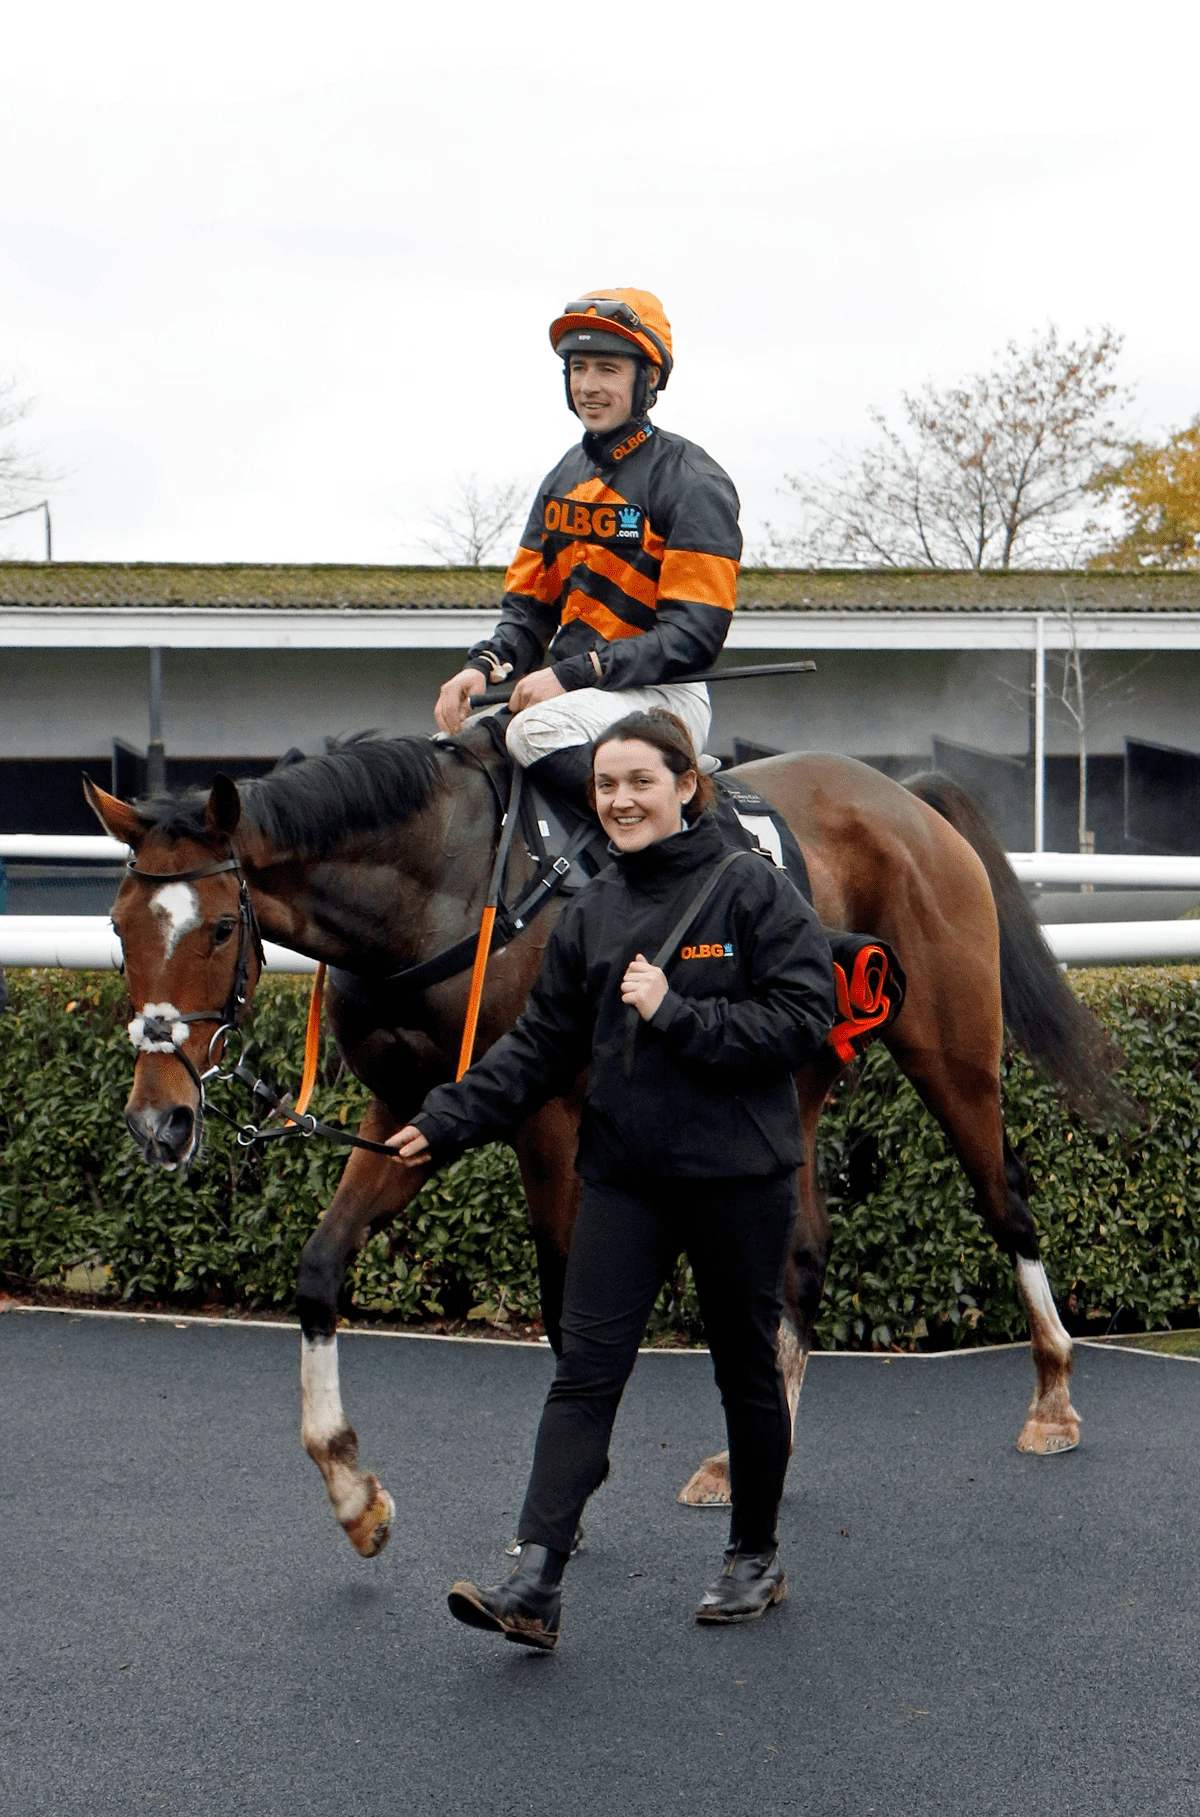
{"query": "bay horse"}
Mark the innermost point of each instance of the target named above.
(377, 857)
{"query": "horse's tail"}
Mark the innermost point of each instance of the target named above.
(1043, 1016)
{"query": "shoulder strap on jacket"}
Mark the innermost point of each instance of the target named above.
(676, 934)
(696, 904)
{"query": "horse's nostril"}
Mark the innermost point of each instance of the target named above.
(163, 1136)
(175, 1129)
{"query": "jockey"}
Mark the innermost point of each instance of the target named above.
(627, 572)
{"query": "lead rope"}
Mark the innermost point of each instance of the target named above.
(312, 1042)
(487, 923)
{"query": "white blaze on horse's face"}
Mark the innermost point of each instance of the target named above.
(178, 906)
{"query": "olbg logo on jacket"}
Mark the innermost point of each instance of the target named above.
(713, 949)
(592, 523)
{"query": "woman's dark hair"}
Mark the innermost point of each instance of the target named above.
(668, 734)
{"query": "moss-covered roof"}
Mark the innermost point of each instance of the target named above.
(366, 586)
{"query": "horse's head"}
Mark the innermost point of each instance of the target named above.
(192, 957)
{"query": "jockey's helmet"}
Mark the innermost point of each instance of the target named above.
(617, 321)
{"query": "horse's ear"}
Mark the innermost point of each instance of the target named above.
(118, 819)
(224, 808)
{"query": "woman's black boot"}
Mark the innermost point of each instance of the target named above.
(525, 1607)
(750, 1583)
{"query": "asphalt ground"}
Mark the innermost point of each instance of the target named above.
(183, 1628)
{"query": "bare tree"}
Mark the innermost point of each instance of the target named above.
(991, 473)
(19, 474)
(477, 522)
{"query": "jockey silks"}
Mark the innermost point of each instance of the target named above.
(707, 1091)
(627, 570)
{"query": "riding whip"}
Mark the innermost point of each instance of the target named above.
(495, 697)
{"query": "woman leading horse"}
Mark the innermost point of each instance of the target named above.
(689, 1139)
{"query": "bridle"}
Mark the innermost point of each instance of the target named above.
(157, 1034)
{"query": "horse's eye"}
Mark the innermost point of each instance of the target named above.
(223, 929)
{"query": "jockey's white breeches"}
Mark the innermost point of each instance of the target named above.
(581, 716)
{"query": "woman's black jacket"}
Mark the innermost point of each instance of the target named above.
(709, 1093)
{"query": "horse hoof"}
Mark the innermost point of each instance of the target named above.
(709, 1487)
(372, 1529)
(1046, 1438)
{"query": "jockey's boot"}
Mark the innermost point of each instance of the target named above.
(525, 1607)
(750, 1583)
(566, 773)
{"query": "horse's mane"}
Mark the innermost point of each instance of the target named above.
(365, 784)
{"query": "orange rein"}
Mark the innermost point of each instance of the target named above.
(312, 1032)
(312, 1042)
(483, 945)
(482, 949)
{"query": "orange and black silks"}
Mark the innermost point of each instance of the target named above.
(627, 571)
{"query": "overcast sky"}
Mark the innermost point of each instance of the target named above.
(278, 275)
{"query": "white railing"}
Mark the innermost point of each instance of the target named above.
(87, 943)
(1139, 873)
(62, 848)
(1031, 867)
(1119, 942)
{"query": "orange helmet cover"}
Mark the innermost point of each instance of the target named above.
(643, 303)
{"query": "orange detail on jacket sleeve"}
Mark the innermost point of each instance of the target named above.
(525, 574)
(710, 580)
(610, 627)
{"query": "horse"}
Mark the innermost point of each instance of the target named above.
(376, 857)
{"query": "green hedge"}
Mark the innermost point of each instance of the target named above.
(1119, 1213)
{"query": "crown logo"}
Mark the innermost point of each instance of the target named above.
(629, 515)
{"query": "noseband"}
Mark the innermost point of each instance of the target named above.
(157, 1034)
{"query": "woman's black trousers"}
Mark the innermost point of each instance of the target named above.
(625, 1244)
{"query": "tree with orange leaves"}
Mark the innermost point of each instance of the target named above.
(1157, 487)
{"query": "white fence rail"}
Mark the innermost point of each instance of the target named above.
(1129, 873)
(88, 943)
(1119, 942)
(1031, 867)
(62, 848)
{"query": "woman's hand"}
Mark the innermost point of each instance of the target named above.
(643, 985)
(412, 1150)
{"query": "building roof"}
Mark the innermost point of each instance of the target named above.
(366, 586)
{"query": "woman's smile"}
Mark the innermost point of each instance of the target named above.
(639, 800)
